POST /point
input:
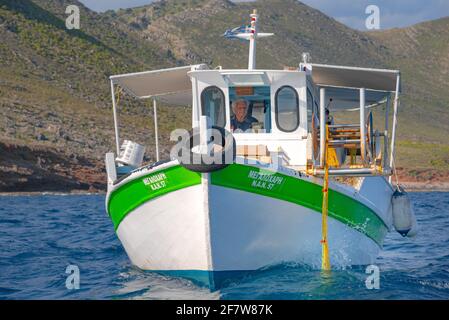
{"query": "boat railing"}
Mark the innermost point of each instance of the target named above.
(339, 88)
(367, 154)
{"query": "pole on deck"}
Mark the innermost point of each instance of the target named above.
(395, 122)
(387, 115)
(362, 125)
(114, 110)
(325, 260)
(252, 41)
(322, 126)
(156, 135)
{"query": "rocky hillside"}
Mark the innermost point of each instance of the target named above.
(421, 52)
(192, 31)
(54, 90)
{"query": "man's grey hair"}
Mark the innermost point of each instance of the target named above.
(236, 102)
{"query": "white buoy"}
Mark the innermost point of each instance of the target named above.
(404, 219)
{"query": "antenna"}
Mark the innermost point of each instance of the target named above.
(248, 33)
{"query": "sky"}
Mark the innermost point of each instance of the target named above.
(393, 13)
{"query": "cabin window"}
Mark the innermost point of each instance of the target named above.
(213, 105)
(287, 109)
(250, 109)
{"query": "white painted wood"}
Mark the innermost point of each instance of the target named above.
(395, 122)
(156, 134)
(362, 125)
(252, 42)
(164, 235)
(376, 190)
(218, 228)
(114, 110)
(111, 170)
(322, 125)
(207, 78)
(250, 231)
(242, 231)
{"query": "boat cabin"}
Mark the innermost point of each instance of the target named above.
(290, 115)
(274, 114)
(281, 111)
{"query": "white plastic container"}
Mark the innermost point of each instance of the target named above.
(131, 154)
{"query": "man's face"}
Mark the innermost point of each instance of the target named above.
(240, 110)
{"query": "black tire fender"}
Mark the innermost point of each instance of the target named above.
(207, 163)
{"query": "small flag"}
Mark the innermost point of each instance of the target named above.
(233, 33)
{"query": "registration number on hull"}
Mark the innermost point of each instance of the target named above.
(156, 181)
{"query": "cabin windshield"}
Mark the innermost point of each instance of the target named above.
(250, 109)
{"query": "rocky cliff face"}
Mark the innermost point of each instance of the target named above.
(28, 168)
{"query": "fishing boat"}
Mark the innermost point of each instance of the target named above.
(271, 171)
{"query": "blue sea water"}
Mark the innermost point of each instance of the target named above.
(41, 235)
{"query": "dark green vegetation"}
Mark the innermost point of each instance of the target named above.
(54, 89)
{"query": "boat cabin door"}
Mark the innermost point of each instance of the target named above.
(288, 92)
(289, 114)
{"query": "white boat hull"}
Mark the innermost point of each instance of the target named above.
(212, 228)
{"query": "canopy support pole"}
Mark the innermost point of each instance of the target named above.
(387, 112)
(387, 115)
(114, 110)
(395, 123)
(156, 134)
(362, 125)
(322, 126)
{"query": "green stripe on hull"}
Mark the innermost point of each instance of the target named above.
(140, 190)
(275, 185)
(250, 179)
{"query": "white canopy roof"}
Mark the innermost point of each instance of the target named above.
(349, 99)
(352, 77)
(172, 86)
(343, 83)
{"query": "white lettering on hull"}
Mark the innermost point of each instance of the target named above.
(156, 182)
(264, 181)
